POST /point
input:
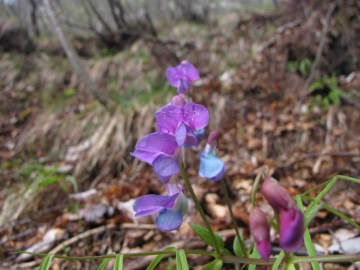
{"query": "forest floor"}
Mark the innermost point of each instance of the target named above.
(68, 180)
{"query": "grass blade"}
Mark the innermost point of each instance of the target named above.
(181, 261)
(45, 265)
(103, 264)
(119, 262)
(278, 261)
(307, 238)
(158, 259)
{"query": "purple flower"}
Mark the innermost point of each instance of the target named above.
(291, 229)
(183, 121)
(260, 231)
(276, 195)
(182, 76)
(211, 167)
(171, 208)
(162, 152)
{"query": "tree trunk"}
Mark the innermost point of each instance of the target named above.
(91, 86)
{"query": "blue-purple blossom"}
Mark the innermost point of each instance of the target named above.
(171, 208)
(160, 150)
(260, 231)
(291, 229)
(211, 167)
(182, 76)
(183, 121)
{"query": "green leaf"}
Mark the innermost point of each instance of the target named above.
(307, 238)
(278, 261)
(237, 246)
(119, 262)
(214, 265)
(103, 264)
(181, 261)
(45, 265)
(321, 195)
(309, 216)
(317, 85)
(70, 92)
(255, 255)
(158, 259)
(205, 235)
(335, 212)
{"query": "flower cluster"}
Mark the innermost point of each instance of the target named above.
(180, 124)
(291, 219)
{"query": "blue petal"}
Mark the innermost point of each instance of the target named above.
(168, 220)
(165, 167)
(151, 204)
(211, 167)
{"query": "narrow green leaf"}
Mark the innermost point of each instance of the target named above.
(335, 212)
(181, 261)
(278, 261)
(254, 255)
(307, 238)
(322, 194)
(309, 216)
(237, 247)
(103, 264)
(214, 265)
(158, 259)
(204, 234)
(45, 265)
(119, 262)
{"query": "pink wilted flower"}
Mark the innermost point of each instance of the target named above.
(260, 231)
(182, 76)
(170, 209)
(291, 229)
(211, 167)
(275, 194)
(291, 218)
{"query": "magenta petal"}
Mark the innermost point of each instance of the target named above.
(151, 204)
(158, 142)
(172, 75)
(169, 118)
(188, 71)
(169, 220)
(165, 167)
(180, 134)
(264, 248)
(145, 156)
(196, 116)
(291, 229)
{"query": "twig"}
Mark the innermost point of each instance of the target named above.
(320, 47)
(81, 236)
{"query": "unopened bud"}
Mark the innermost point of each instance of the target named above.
(291, 229)
(260, 231)
(276, 195)
(178, 101)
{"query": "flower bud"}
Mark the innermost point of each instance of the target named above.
(260, 231)
(178, 101)
(291, 229)
(276, 195)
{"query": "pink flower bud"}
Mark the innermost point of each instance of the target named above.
(276, 195)
(260, 231)
(291, 229)
(178, 101)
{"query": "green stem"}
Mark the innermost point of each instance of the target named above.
(327, 258)
(199, 208)
(255, 186)
(228, 202)
(126, 255)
